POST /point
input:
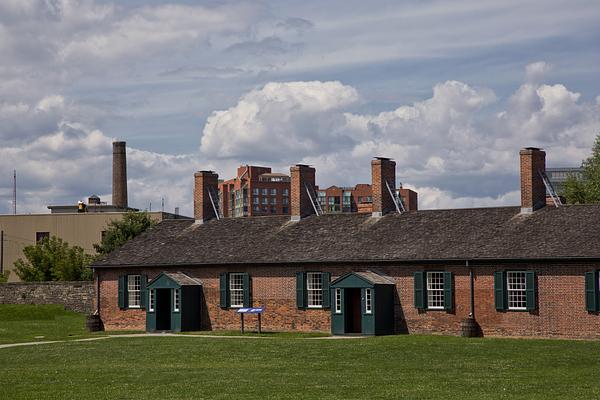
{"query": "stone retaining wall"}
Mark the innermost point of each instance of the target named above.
(75, 296)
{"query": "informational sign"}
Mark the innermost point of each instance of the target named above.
(257, 310)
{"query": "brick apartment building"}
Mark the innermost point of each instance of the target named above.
(255, 191)
(258, 191)
(529, 270)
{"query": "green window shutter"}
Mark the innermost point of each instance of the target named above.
(247, 290)
(591, 291)
(500, 295)
(448, 291)
(300, 289)
(420, 290)
(123, 292)
(224, 288)
(326, 277)
(530, 290)
(143, 294)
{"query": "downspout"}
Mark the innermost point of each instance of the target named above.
(97, 312)
(472, 294)
(469, 326)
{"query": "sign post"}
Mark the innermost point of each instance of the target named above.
(256, 310)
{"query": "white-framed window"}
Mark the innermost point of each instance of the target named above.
(314, 289)
(255, 191)
(236, 290)
(435, 290)
(265, 192)
(273, 200)
(265, 200)
(273, 192)
(368, 301)
(176, 300)
(285, 192)
(151, 300)
(515, 285)
(338, 301)
(134, 289)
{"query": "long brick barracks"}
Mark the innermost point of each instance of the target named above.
(529, 270)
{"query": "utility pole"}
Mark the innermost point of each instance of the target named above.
(15, 192)
(162, 204)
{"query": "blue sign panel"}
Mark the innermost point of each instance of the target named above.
(257, 310)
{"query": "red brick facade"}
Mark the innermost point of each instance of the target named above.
(560, 310)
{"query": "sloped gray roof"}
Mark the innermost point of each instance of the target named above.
(182, 279)
(569, 232)
(375, 278)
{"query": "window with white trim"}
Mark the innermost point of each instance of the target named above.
(368, 301)
(151, 300)
(314, 289)
(236, 289)
(338, 301)
(134, 290)
(435, 290)
(176, 300)
(516, 290)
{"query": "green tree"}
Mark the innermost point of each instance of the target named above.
(586, 189)
(54, 260)
(119, 232)
(4, 276)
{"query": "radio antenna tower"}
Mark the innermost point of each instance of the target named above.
(15, 192)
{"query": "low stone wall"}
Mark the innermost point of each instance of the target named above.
(75, 296)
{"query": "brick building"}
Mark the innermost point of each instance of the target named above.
(255, 191)
(529, 270)
(258, 191)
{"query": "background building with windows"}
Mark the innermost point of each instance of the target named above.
(258, 191)
(528, 270)
(558, 176)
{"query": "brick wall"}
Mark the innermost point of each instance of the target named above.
(560, 312)
(75, 296)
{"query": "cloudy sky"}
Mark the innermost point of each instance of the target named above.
(450, 90)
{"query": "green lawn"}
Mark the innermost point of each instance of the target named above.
(31, 323)
(286, 367)
(416, 367)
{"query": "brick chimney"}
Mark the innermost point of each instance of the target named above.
(119, 175)
(382, 170)
(301, 176)
(533, 191)
(205, 181)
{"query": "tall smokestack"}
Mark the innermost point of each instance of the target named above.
(119, 182)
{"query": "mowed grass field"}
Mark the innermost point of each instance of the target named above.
(280, 367)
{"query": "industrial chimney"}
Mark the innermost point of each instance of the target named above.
(119, 178)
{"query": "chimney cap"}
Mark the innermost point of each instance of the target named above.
(302, 165)
(383, 158)
(531, 148)
(205, 171)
